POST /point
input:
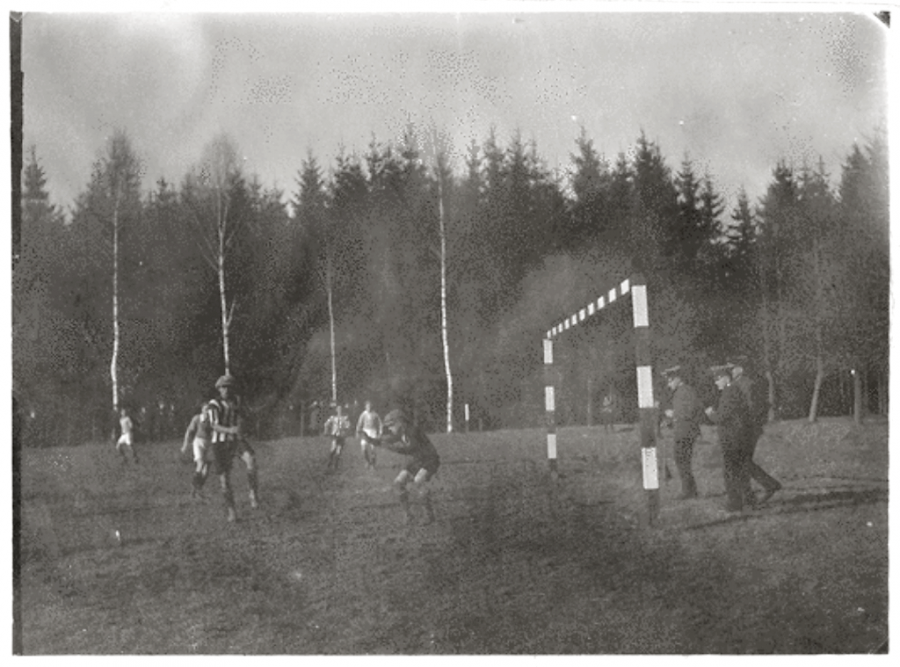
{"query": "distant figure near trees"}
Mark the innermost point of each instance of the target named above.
(606, 413)
(338, 427)
(125, 443)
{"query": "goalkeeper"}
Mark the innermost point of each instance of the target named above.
(404, 438)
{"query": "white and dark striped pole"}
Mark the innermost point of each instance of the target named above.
(646, 405)
(550, 403)
(637, 286)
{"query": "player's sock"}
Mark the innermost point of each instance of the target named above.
(429, 508)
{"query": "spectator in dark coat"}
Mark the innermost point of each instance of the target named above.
(758, 405)
(686, 414)
(733, 419)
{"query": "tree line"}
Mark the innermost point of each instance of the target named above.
(392, 273)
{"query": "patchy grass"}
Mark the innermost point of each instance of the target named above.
(516, 563)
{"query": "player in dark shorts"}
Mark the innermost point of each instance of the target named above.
(227, 442)
(400, 436)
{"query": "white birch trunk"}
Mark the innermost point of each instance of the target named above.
(820, 361)
(223, 306)
(328, 290)
(444, 332)
(114, 363)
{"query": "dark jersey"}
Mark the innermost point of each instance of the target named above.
(412, 443)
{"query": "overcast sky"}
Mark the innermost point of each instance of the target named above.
(736, 92)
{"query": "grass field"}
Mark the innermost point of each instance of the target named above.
(517, 563)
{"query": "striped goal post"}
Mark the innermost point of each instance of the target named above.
(636, 287)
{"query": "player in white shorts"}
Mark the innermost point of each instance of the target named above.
(368, 430)
(197, 437)
(126, 439)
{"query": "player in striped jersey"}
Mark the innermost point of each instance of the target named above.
(224, 416)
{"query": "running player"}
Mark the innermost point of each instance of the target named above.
(227, 440)
(126, 439)
(404, 438)
(197, 438)
(338, 427)
(368, 430)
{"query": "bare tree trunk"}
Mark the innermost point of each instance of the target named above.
(767, 353)
(817, 387)
(223, 303)
(114, 363)
(820, 361)
(857, 397)
(444, 332)
(590, 401)
(328, 289)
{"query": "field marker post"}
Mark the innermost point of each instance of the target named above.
(646, 403)
(550, 404)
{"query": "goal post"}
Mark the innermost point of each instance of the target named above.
(636, 288)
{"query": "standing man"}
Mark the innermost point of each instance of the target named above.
(338, 427)
(126, 437)
(224, 417)
(197, 439)
(686, 414)
(758, 408)
(733, 419)
(368, 430)
(404, 438)
(606, 413)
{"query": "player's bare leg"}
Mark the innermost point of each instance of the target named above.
(421, 482)
(400, 483)
(228, 496)
(249, 460)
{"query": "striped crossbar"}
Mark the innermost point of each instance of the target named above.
(593, 308)
(637, 287)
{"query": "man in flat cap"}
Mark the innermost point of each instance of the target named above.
(224, 417)
(686, 414)
(732, 417)
(758, 405)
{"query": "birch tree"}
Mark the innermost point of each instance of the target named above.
(442, 171)
(112, 199)
(208, 192)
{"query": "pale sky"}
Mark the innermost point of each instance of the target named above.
(736, 91)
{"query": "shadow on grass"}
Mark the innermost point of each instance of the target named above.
(803, 503)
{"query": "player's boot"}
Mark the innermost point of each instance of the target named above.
(254, 501)
(230, 515)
